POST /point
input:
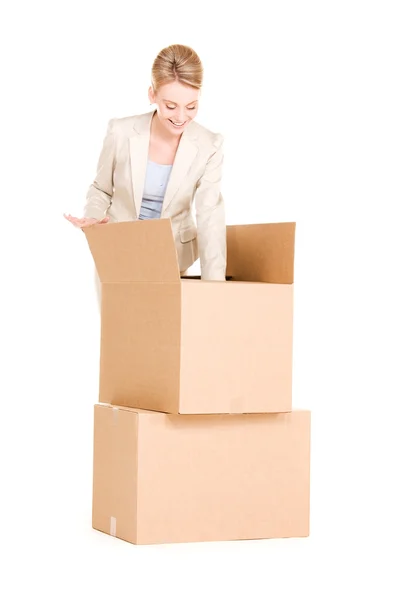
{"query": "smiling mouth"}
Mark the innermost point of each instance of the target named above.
(175, 124)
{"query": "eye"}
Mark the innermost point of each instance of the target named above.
(173, 107)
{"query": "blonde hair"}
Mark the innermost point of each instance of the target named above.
(177, 63)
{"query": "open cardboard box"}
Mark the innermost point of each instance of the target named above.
(182, 345)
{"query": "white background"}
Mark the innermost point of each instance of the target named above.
(319, 105)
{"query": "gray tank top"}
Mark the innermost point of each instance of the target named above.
(156, 182)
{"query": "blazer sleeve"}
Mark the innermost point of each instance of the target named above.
(99, 195)
(210, 217)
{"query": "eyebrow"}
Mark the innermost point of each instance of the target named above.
(171, 102)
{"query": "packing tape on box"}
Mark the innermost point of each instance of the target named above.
(236, 405)
(113, 520)
(113, 527)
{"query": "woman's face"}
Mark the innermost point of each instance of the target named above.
(177, 105)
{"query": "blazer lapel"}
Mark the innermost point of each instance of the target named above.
(139, 152)
(184, 157)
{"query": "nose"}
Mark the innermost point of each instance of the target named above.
(180, 117)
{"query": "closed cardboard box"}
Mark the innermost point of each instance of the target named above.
(195, 347)
(162, 478)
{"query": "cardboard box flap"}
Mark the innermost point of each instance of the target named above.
(134, 251)
(261, 252)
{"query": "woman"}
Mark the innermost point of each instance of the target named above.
(155, 165)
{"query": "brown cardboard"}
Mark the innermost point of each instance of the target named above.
(189, 346)
(162, 478)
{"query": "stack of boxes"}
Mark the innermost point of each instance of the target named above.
(195, 438)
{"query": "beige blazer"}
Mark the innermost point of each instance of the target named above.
(196, 174)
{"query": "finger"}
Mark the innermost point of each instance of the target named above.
(79, 222)
(73, 219)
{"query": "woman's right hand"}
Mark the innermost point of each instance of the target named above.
(85, 222)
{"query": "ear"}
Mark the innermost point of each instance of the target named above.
(151, 95)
